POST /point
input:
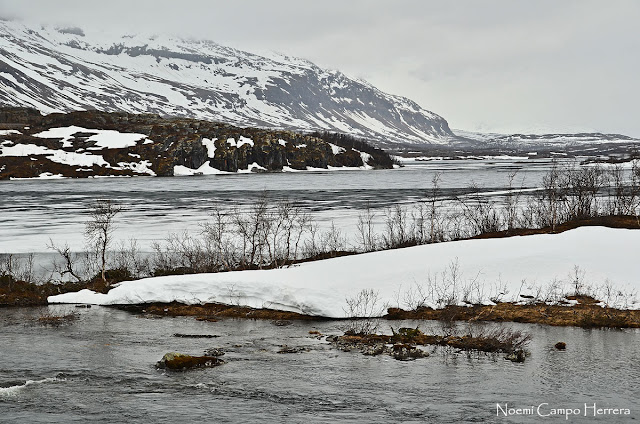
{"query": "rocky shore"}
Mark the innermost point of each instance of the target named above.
(93, 143)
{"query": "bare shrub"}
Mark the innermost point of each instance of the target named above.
(582, 185)
(99, 230)
(624, 190)
(398, 231)
(218, 241)
(129, 257)
(332, 241)
(435, 217)
(576, 277)
(363, 310)
(67, 262)
(18, 267)
(511, 210)
(479, 212)
(367, 237)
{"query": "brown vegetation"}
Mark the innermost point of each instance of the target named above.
(213, 311)
(618, 221)
(21, 293)
(402, 343)
(587, 315)
(180, 362)
(56, 320)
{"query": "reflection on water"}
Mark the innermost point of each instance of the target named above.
(101, 368)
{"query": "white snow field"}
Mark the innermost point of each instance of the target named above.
(598, 260)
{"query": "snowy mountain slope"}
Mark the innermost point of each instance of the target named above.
(59, 70)
(552, 139)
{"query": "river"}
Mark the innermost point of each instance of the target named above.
(100, 369)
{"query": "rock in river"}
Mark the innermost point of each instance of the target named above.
(180, 362)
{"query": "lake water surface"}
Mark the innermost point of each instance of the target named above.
(32, 211)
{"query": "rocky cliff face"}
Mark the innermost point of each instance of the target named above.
(91, 143)
(61, 70)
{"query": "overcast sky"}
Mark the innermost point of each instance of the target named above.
(500, 65)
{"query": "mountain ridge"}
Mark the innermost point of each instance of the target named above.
(61, 70)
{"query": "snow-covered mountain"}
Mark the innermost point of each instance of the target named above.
(550, 139)
(62, 69)
(576, 144)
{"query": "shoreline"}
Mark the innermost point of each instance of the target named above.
(581, 311)
(585, 314)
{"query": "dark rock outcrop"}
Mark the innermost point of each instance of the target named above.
(164, 145)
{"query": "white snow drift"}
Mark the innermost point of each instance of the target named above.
(595, 259)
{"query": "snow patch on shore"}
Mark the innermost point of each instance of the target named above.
(505, 269)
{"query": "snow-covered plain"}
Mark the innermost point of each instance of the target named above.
(597, 260)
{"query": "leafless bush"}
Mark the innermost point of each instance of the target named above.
(398, 230)
(129, 257)
(624, 190)
(367, 237)
(480, 212)
(435, 216)
(270, 234)
(99, 230)
(363, 311)
(218, 241)
(68, 260)
(332, 240)
(582, 185)
(415, 297)
(495, 339)
(576, 277)
(18, 267)
(511, 209)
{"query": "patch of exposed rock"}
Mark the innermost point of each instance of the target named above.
(200, 147)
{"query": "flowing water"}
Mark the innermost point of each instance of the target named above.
(100, 369)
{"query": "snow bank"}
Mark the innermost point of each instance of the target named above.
(502, 269)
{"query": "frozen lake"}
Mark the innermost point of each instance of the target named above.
(32, 211)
